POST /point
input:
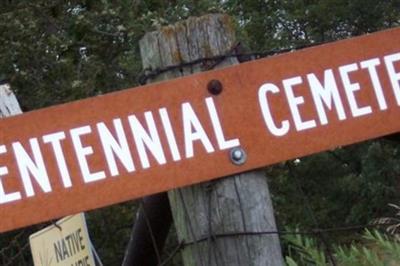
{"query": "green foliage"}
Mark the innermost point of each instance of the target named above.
(377, 249)
(110, 229)
(346, 186)
(304, 250)
(391, 223)
(59, 51)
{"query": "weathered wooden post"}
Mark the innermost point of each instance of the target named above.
(221, 222)
(8, 102)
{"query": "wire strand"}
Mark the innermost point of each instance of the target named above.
(149, 73)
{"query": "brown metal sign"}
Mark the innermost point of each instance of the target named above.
(112, 148)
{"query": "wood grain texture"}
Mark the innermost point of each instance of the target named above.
(236, 204)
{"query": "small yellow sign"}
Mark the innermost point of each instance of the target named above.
(65, 243)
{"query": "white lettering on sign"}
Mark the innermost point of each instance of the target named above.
(6, 197)
(351, 88)
(118, 147)
(35, 167)
(170, 134)
(222, 143)
(149, 139)
(326, 94)
(294, 102)
(393, 75)
(55, 141)
(82, 153)
(371, 65)
(193, 130)
(267, 113)
(162, 136)
(117, 150)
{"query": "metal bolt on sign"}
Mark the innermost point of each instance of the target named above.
(238, 156)
(215, 87)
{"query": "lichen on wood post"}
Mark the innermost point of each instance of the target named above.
(217, 220)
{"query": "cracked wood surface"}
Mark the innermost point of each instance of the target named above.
(239, 203)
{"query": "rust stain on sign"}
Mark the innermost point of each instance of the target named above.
(112, 148)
